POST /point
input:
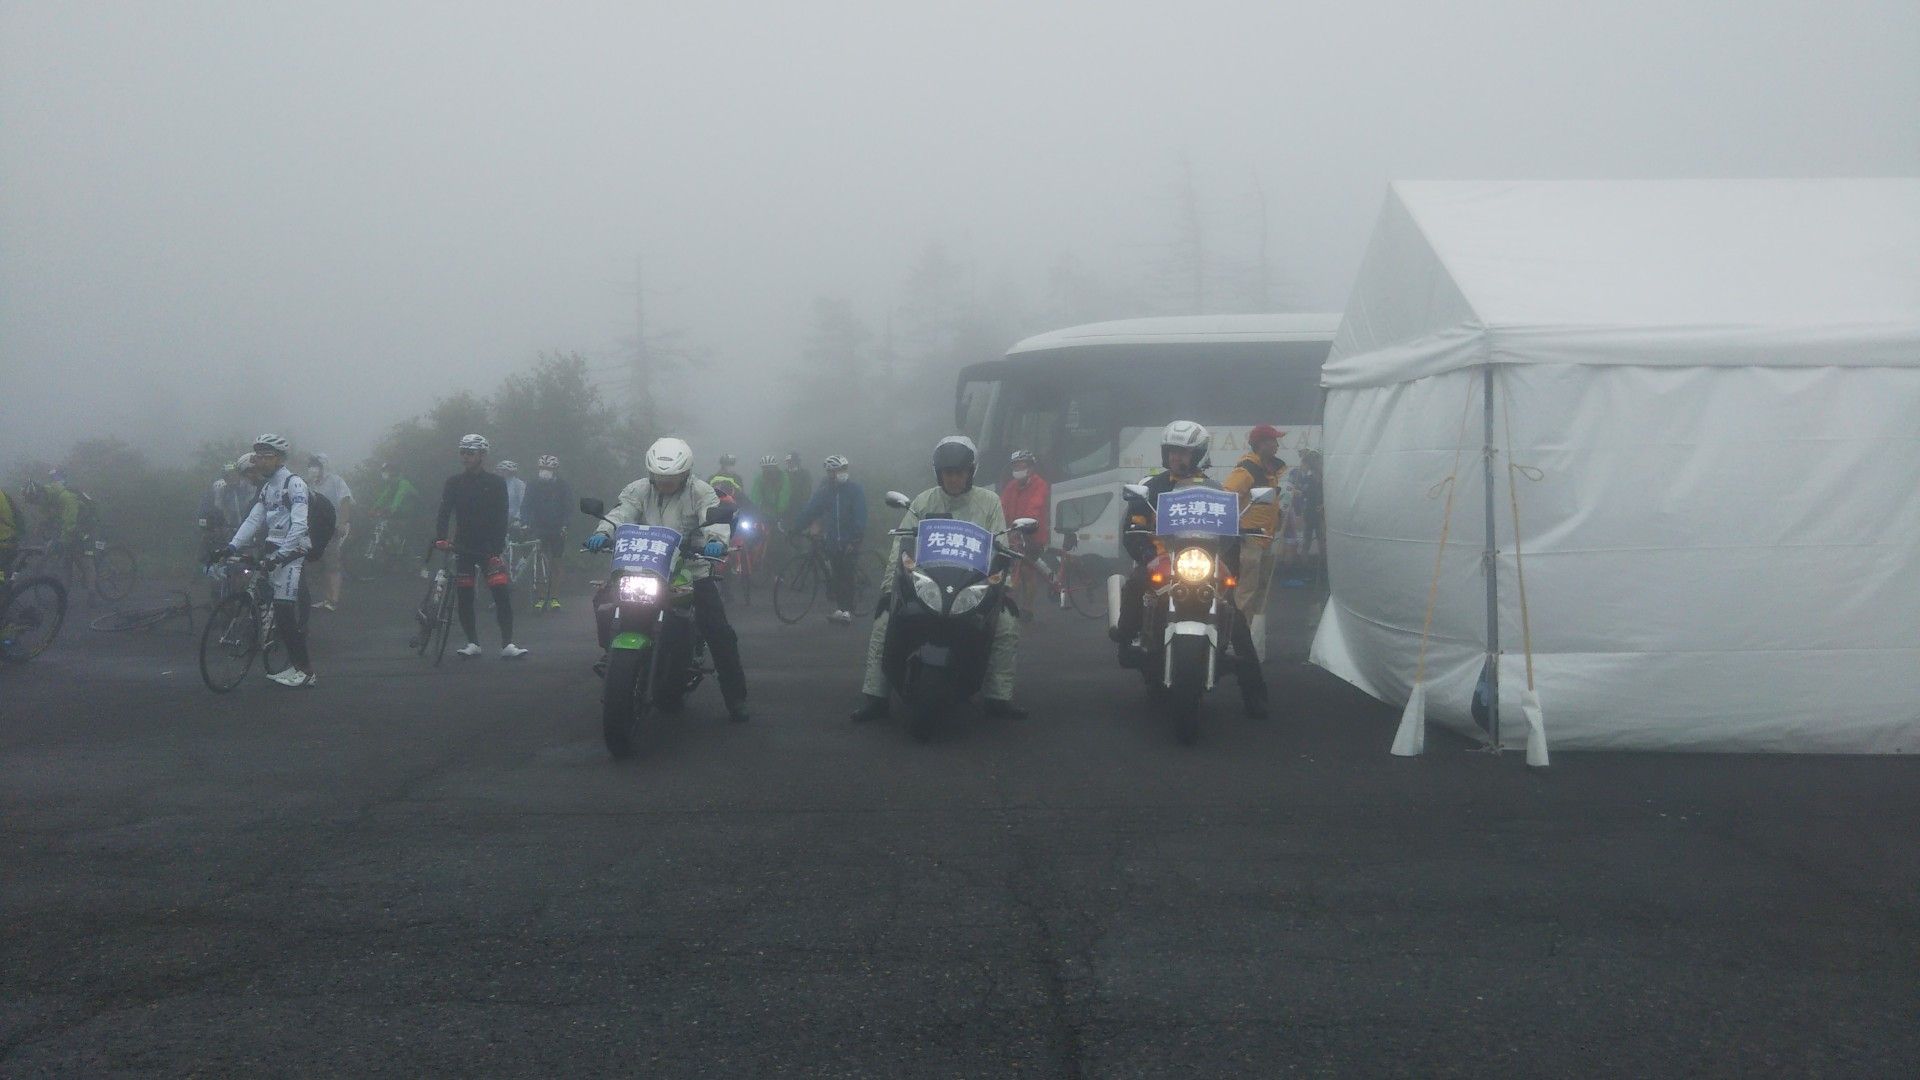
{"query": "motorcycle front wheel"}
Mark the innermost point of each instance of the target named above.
(623, 701)
(1189, 684)
(928, 697)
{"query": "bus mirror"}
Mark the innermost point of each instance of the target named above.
(593, 508)
(898, 501)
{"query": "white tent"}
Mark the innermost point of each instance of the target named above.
(1718, 383)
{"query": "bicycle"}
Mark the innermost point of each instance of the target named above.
(146, 618)
(241, 627)
(107, 571)
(796, 586)
(1069, 581)
(434, 616)
(32, 610)
(527, 558)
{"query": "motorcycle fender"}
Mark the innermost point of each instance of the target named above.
(1115, 584)
(1194, 628)
(632, 639)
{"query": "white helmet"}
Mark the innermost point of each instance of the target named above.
(769, 461)
(279, 444)
(475, 442)
(669, 457)
(548, 461)
(243, 463)
(507, 465)
(1188, 434)
(834, 462)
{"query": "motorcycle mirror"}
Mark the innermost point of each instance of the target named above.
(1138, 491)
(719, 515)
(898, 501)
(593, 508)
(1025, 525)
(1261, 496)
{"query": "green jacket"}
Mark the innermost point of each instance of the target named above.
(776, 498)
(397, 497)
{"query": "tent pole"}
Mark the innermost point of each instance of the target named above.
(1492, 564)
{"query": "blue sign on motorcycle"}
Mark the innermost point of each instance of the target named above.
(644, 547)
(1197, 511)
(944, 542)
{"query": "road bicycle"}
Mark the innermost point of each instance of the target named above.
(1071, 581)
(108, 572)
(384, 550)
(33, 607)
(433, 619)
(178, 605)
(527, 561)
(797, 586)
(241, 627)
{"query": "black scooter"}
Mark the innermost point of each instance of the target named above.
(940, 625)
(644, 612)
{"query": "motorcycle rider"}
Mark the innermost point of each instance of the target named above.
(281, 510)
(838, 510)
(1183, 457)
(671, 496)
(477, 499)
(548, 505)
(955, 497)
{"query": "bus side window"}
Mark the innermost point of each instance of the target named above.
(1087, 438)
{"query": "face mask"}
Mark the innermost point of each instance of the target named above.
(546, 474)
(1021, 474)
(839, 478)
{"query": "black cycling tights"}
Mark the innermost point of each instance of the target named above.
(502, 610)
(293, 631)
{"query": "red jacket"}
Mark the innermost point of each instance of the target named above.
(1028, 499)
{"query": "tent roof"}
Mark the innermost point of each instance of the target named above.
(1182, 329)
(1669, 272)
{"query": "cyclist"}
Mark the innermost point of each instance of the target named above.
(670, 495)
(548, 507)
(324, 480)
(477, 500)
(398, 500)
(772, 490)
(1025, 493)
(13, 526)
(837, 513)
(62, 528)
(280, 509)
(800, 483)
(1183, 459)
(953, 496)
(1261, 466)
(729, 471)
(516, 489)
(216, 524)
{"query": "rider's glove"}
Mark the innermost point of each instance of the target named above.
(443, 545)
(226, 552)
(715, 549)
(597, 541)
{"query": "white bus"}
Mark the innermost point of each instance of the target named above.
(1090, 402)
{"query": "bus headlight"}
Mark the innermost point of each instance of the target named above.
(1194, 564)
(969, 598)
(928, 591)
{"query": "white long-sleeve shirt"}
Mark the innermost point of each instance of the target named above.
(281, 509)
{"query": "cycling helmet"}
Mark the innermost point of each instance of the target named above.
(955, 452)
(728, 461)
(835, 462)
(669, 457)
(769, 461)
(32, 491)
(279, 444)
(318, 459)
(793, 457)
(1022, 455)
(476, 443)
(507, 465)
(1187, 434)
(724, 486)
(243, 463)
(55, 476)
(548, 461)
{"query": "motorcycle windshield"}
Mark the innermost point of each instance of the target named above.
(1196, 512)
(646, 549)
(958, 544)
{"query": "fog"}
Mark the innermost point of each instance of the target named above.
(318, 218)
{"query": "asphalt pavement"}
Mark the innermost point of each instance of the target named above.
(413, 871)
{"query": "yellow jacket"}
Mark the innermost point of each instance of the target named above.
(1248, 473)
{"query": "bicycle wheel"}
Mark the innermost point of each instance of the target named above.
(869, 570)
(793, 594)
(443, 624)
(31, 613)
(138, 619)
(229, 643)
(114, 574)
(542, 578)
(1086, 588)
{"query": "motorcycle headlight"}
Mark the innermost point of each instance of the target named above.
(639, 587)
(1194, 564)
(968, 598)
(928, 591)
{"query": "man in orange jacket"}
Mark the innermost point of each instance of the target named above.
(1026, 494)
(1259, 467)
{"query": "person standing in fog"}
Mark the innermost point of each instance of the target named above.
(476, 500)
(321, 478)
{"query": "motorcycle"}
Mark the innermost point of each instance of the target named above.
(948, 589)
(655, 656)
(1189, 614)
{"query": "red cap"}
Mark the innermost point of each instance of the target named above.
(1265, 431)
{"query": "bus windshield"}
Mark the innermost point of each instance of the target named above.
(1070, 406)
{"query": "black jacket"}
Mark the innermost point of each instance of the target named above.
(548, 504)
(479, 502)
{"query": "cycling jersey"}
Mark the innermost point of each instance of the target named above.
(478, 500)
(281, 511)
(397, 496)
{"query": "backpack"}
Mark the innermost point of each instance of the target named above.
(320, 523)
